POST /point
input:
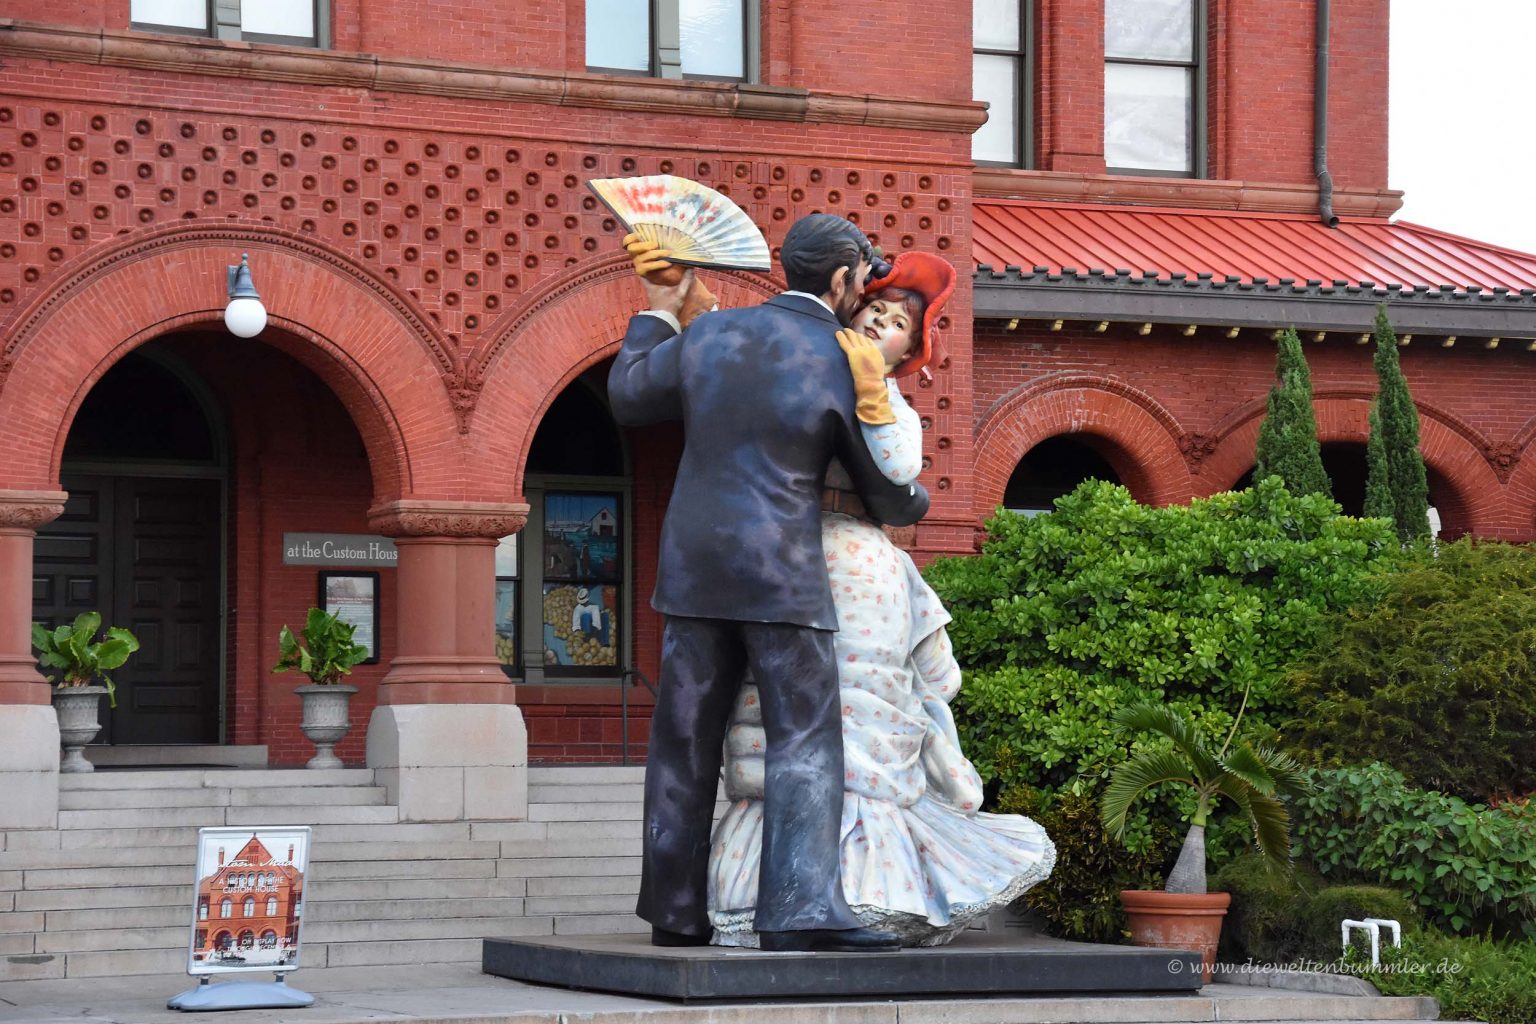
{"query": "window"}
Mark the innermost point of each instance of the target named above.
(1154, 87)
(562, 599)
(708, 39)
(269, 939)
(202, 910)
(226, 907)
(292, 22)
(1001, 73)
(271, 906)
(249, 909)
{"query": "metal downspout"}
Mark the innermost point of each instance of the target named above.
(1320, 121)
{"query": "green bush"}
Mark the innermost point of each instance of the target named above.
(1262, 923)
(1320, 915)
(1081, 898)
(1470, 868)
(1065, 618)
(1437, 677)
(1494, 981)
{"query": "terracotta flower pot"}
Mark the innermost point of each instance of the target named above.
(1178, 920)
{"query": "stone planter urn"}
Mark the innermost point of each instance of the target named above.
(79, 712)
(1178, 920)
(326, 720)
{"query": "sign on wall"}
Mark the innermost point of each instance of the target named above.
(249, 901)
(344, 549)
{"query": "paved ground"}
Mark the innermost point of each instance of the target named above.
(450, 994)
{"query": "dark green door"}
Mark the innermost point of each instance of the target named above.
(145, 552)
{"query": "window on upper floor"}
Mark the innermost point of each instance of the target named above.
(703, 39)
(1001, 73)
(291, 22)
(1154, 87)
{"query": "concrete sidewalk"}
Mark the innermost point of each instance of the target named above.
(461, 994)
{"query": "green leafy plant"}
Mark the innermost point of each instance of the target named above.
(327, 653)
(1064, 618)
(1469, 867)
(1287, 445)
(79, 656)
(1472, 977)
(1436, 676)
(1255, 778)
(1398, 472)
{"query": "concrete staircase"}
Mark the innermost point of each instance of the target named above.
(110, 891)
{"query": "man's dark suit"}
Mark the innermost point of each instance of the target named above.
(767, 401)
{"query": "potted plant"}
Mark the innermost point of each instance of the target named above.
(1183, 915)
(326, 655)
(81, 659)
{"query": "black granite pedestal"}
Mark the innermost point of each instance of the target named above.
(975, 964)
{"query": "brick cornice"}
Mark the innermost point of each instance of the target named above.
(27, 510)
(420, 517)
(147, 51)
(1198, 193)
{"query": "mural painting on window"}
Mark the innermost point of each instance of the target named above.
(582, 573)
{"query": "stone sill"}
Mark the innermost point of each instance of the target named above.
(270, 62)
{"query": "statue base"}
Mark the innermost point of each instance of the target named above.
(975, 964)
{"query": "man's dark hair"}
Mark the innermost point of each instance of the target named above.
(817, 244)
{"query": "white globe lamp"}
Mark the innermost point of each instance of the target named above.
(245, 316)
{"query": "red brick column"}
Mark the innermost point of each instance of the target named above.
(446, 651)
(21, 513)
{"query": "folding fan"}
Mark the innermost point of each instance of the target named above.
(701, 227)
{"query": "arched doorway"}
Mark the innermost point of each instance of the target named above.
(1051, 469)
(562, 583)
(141, 542)
(1345, 464)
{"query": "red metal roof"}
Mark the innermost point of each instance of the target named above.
(1242, 245)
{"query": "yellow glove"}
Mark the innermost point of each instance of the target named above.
(651, 261)
(868, 367)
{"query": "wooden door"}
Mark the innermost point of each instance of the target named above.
(145, 552)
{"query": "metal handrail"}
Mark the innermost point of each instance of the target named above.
(624, 685)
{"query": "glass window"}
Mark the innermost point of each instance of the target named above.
(1151, 86)
(278, 20)
(226, 907)
(709, 28)
(182, 14)
(269, 939)
(271, 906)
(249, 909)
(999, 76)
(582, 576)
(507, 604)
(202, 910)
(671, 38)
(619, 35)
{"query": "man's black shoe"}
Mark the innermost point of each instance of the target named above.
(829, 940)
(663, 937)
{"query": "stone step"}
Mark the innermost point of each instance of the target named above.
(600, 924)
(179, 894)
(225, 778)
(416, 951)
(596, 885)
(569, 775)
(333, 932)
(627, 847)
(208, 817)
(331, 853)
(309, 796)
(100, 941)
(606, 811)
(409, 889)
(324, 873)
(569, 905)
(325, 911)
(168, 916)
(186, 835)
(386, 814)
(569, 867)
(586, 793)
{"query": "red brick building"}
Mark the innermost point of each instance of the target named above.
(443, 293)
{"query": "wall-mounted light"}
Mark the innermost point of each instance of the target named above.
(245, 316)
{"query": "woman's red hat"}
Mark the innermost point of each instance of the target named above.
(930, 276)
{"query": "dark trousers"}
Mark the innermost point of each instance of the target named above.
(703, 662)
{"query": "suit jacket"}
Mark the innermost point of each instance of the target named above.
(766, 401)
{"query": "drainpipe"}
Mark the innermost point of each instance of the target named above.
(1320, 121)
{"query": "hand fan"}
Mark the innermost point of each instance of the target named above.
(701, 227)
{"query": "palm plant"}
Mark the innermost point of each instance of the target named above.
(1256, 779)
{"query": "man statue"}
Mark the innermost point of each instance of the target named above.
(767, 401)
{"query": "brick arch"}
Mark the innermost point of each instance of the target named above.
(1453, 451)
(573, 323)
(1137, 436)
(384, 361)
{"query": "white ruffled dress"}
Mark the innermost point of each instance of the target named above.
(918, 858)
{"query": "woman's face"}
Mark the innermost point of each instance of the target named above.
(889, 326)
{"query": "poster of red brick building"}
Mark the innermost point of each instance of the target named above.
(249, 901)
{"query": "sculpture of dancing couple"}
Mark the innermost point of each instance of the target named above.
(854, 822)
